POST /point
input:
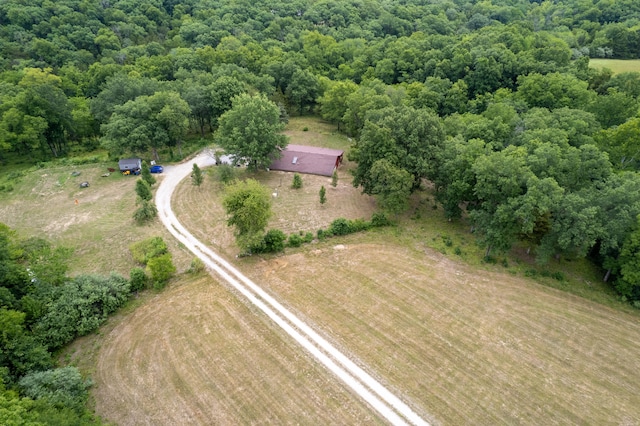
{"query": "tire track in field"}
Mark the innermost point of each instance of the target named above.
(388, 405)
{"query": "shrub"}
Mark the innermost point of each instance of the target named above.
(196, 266)
(297, 181)
(273, 241)
(458, 251)
(146, 175)
(61, 387)
(322, 234)
(358, 225)
(145, 213)
(138, 279)
(294, 240)
(340, 226)
(226, 173)
(558, 276)
(144, 250)
(143, 190)
(379, 219)
(161, 269)
(308, 237)
(334, 178)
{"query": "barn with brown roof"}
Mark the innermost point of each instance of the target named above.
(308, 159)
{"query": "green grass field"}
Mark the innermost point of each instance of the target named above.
(616, 65)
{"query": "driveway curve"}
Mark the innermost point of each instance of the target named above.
(383, 401)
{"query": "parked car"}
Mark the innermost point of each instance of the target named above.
(156, 169)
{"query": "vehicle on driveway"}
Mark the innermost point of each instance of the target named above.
(156, 169)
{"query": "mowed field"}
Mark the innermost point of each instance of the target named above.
(460, 342)
(616, 65)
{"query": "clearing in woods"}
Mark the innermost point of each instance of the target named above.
(467, 344)
(616, 65)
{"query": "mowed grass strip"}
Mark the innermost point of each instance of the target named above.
(616, 65)
(465, 345)
(196, 354)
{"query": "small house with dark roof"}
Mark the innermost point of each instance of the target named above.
(308, 159)
(132, 165)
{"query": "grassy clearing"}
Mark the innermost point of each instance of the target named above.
(616, 65)
(99, 227)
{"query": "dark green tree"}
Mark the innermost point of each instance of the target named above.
(323, 195)
(297, 181)
(146, 175)
(248, 206)
(196, 175)
(143, 190)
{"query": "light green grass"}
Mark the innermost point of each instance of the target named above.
(616, 65)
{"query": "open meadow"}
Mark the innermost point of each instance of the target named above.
(616, 65)
(462, 342)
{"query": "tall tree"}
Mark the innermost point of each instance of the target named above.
(248, 205)
(250, 131)
(147, 123)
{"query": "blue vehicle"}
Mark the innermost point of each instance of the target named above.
(156, 169)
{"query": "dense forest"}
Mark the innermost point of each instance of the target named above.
(492, 101)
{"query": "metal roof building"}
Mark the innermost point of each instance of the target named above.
(308, 159)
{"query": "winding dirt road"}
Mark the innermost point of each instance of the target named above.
(354, 377)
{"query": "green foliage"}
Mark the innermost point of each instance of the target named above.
(226, 173)
(297, 181)
(138, 279)
(628, 285)
(340, 226)
(248, 205)
(196, 266)
(146, 175)
(196, 175)
(143, 251)
(145, 213)
(379, 220)
(334, 178)
(80, 307)
(61, 387)
(250, 131)
(323, 195)
(272, 242)
(143, 190)
(295, 240)
(160, 269)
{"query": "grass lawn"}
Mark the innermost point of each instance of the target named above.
(616, 65)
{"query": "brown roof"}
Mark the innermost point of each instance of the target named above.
(308, 159)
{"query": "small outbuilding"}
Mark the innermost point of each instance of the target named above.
(308, 159)
(132, 165)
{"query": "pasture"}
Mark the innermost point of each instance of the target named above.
(616, 65)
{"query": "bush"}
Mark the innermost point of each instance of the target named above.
(322, 234)
(80, 306)
(273, 241)
(61, 387)
(297, 181)
(340, 226)
(145, 213)
(308, 237)
(358, 225)
(147, 249)
(295, 240)
(380, 219)
(196, 266)
(161, 269)
(226, 173)
(143, 189)
(138, 279)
